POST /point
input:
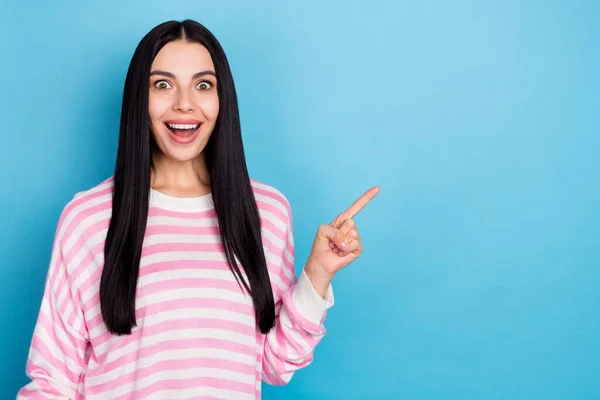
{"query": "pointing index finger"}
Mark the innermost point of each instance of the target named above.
(359, 204)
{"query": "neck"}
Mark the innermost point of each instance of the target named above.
(180, 178)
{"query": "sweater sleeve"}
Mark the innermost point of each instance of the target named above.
(300, 315)
(58, 348)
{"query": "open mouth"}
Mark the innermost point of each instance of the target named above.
(183, 130)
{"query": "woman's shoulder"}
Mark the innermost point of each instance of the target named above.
(92, 203)
(271, 199)
(98, 191)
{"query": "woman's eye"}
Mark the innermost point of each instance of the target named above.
(162, 85)
(204, 85)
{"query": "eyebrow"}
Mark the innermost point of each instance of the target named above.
(170, 75)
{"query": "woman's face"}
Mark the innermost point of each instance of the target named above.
(183, 101)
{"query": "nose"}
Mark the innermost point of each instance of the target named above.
(184, 101)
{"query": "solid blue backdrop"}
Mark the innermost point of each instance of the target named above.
(479, 120)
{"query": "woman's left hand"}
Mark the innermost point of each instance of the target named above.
(336, 245)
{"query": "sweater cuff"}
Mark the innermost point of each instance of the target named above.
(308, 302)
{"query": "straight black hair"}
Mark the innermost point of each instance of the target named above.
(232, 193)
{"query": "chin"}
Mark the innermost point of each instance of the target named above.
(182, 155)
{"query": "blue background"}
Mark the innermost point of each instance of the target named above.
(480, 122)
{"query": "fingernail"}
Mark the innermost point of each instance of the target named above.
(344, 246)
(331, 244)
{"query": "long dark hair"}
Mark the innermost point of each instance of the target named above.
(231, 188)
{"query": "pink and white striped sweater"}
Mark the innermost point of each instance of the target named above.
(196, 335)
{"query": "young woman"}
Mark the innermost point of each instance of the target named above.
(174, 278)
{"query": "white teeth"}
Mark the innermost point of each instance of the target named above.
(183, 126)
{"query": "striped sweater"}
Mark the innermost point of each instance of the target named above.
(196, 335)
